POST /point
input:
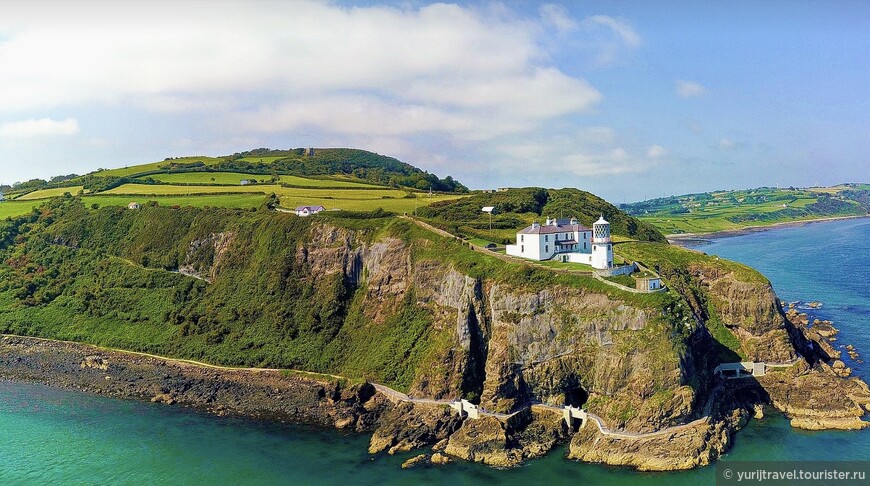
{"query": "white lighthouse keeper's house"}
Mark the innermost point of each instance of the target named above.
(565, 240)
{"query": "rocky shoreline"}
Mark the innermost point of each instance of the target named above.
(270, 395)
(815, 398)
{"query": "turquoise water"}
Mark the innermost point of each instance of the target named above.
(50, 436)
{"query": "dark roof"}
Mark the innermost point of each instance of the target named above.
(546, 229)
(566, 242)
(310, 208)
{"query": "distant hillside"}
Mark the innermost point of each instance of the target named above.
(516, 208)
(361, 164)
(710, 212)
(333, 163)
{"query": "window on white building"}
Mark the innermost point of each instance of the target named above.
(522, 249)
(546, 238)
(546, 248)
(521, 238)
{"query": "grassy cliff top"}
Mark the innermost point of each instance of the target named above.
(517, 208)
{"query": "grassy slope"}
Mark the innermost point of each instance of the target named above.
(518, 208)
(47, 193)
(106, 284)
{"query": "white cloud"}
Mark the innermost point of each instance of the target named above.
(558, 17)
(591, 152)
(726, 144)
(39, 128)
(619, 27)
(655, 151)
(376, 70)
(689, 89)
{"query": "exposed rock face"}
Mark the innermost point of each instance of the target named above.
(409, 426)
(685, 448)
(204, 256)
(751, 310)
(507, 443)
(817, 398)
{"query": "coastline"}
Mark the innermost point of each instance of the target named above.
(401, 426)
(331, 402)
(689, 240)
(275, 395)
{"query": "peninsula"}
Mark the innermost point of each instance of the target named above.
(397, 311)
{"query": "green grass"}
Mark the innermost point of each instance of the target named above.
(138, 169)
(234, 178)
(481, 242)
(261, 160)
(338, 193)
(10, 209)
(626, 280)
(241, 201)
(48, 193)
(567, 265)
(652, 254)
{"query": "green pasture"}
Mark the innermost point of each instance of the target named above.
(235, 178)
(400, 205)
(138, 169)
(47, 193)
(241, 201)
(10, 209)
(347, 200)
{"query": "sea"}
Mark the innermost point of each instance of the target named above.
(54, 436)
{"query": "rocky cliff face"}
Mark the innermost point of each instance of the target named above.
(507, 346)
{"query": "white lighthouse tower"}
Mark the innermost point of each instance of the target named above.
(602, 247)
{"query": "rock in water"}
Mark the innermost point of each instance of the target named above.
(758, 411)
(439, 459)
(414, 461)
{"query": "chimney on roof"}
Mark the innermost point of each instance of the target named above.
(536, 225)
(573, 220)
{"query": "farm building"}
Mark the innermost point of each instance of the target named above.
(134, 205)
(308, 210)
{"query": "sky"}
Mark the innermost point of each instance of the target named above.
(627, 99)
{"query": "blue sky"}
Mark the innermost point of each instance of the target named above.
(629, 100)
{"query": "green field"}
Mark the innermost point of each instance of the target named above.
(242, 201)
(200, 196)
(138, 169)
(10, 209)
(401, 205)
(731, 210)
(235, 178)
(47, 193)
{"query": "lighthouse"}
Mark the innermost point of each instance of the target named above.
(602, 247)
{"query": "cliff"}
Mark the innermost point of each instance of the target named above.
(384, 300)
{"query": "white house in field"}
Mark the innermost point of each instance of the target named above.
(566, 240)
(308, 210)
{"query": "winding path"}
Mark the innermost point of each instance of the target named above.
(397, 396)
